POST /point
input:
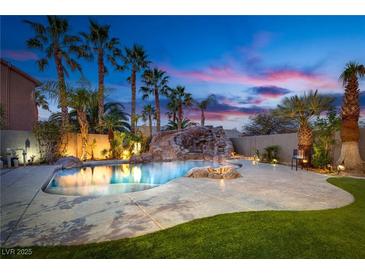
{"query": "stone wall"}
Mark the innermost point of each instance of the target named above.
(247, 145)
(16, 139)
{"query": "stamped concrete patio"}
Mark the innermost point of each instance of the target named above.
(31, 217)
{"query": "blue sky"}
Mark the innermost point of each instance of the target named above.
(249, 62)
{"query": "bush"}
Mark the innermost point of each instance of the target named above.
(271, 154)
(49, 137)
(324, 139)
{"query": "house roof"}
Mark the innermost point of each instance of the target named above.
(19, 71)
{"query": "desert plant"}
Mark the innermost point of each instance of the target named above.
(182, 99)
(302, 109)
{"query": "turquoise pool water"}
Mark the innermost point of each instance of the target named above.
(114, 179)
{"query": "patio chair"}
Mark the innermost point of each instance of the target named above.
(297, 157)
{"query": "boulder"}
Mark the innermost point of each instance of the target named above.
(198, 172)
(69, 162)
(223, 172)
(197, 142)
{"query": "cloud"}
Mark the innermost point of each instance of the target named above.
(19, 55)
(228, 74)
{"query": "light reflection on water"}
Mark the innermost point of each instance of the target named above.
(106, 180)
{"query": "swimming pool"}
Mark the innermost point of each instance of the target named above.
(114, 179)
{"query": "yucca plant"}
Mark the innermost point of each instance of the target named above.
(302, 109)
(350, 113)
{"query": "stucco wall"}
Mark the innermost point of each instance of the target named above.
(247, 145)
(17, 138)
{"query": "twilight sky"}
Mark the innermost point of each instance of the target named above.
(249, 62)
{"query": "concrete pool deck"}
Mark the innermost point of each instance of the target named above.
(30, 216)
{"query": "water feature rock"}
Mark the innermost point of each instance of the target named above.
(198, 143)
(69, 162)
(223, 172)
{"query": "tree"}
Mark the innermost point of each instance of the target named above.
(147, 114)
(350, 113)
(203, 105)
(266, 123)
(135, 59)
(40, 100)
(173, 125)
(54, 40)
(302, 109)
(98, 42)
(155, 82)
(182, 99)
(79, 100)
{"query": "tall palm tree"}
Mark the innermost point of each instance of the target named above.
(148, 113)
(135, 59)
(79, 101)
(350, 112)
(203, 105)
(98, 42)
(40, 100)
(182, 99)
(155, 82)
(53, 39)
(302, 109)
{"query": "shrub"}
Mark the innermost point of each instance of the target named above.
(324, 139)
(271, 153)
(49, 137)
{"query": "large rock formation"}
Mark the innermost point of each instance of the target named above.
(223, 172)
(69, 162)
(196, 143)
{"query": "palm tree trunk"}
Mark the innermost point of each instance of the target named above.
(84, 129)
(305, 140)
(350, 134)
(202, 122)
(101, 72)
(133, 109)
(150, 124)
(157, 106)
(180, 114)
(62, 90)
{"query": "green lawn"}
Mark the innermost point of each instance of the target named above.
(335, 233)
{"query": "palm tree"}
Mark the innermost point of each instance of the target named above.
(350, 112)
(173, 125)
(148, 113)
(155, 82)
(203, 105)
(302, 109)
(182, 99)
(40, 100)
(79, 101)
(54, 40)
(135, 59)
(98, 42)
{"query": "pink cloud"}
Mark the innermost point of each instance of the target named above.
(19, 55)
(228, 74)
(219, 116)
